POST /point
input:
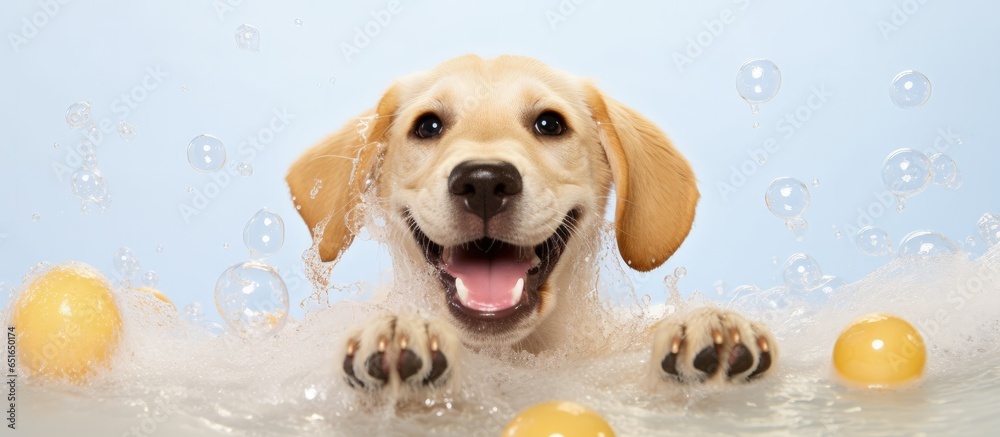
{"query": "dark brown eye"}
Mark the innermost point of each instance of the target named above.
(428, 126)
(550, 123)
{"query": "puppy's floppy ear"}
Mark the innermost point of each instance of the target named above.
(654, 185)
(343, 162)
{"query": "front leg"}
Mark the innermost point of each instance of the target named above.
(712, 344)
(403, 353)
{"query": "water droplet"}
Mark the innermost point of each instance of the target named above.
(298, 22)
(758, 81)
(89, 185)
(680, 272)
(150, 279)
(901, 207)
(159, 248)
(787, 198)
(78, 114)
(252, 299)
(945, 172)
(873, 241)
(35, 217)
(802, 271)
(815, 182)
(906, 172)
(125, 130)
(225, 245)
(184, 89)
(909, 89)
(333, 80)
(55, 145)
(989, 229)
(190, 190)
(245, 169)
(89, 161)
(317, 185)
(264, 234)
(248, 38)
(206, 153)
(926, 243)
(126, 264)
(756, 124)
(720, 287)
(837, 234)
(761, 159)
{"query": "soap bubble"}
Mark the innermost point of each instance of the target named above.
(150, 279)
(264, 233)
(298, 22)
(989, 229)
(245, 169)
(206, 153)
(787, 198)
(252, 299)
(78, 114)
(126, 264)
(906, 172)
(815, 182)
(680, 272)
(125, 130)
(248, 38)
(317, 185)
(802, 271)
(758, 81)
(909, 89)
(828, 284)
(36, 217)
(873, 241)
(926, 243)
(945, 172)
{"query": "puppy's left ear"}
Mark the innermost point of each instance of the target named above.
(655, 187)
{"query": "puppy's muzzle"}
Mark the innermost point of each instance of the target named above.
(484, 188)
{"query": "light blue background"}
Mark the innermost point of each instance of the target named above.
(99, 50)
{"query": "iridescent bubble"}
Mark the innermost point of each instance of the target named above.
(680, 272)
(906, 172)
(245, 169)
(909, 89)
(989, 229)
(252, 298)
(787, 198)
(248, 38)
(125, 130)
(873, 241)
(126, 264)
(802, 271)
(150, 279)
(89, 185)
(78, 114)
(264, 233)
(945, 172)
(206, 153)
(758, 81)
(926, 243)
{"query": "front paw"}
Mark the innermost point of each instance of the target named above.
(710, 343)
(400, 351)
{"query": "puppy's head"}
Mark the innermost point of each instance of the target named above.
(491, 172)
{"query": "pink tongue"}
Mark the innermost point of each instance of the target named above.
(490, 277)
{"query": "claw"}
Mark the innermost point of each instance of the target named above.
(352, 346)
(434, 343)
(403, 342)
(717, 337)
(735, 335)
(675, 346)
(382, 343)
(762, 343)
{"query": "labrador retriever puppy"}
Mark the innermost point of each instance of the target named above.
(492, 176)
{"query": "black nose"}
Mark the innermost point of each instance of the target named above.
(485, 188)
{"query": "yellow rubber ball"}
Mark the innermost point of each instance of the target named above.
(880, 350)
(562, 418)
(66, 322)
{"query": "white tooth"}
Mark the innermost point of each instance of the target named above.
(518, 290)
(446, 255)
(463, 291)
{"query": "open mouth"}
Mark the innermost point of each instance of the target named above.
(489, 283)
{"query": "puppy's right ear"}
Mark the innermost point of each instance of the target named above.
(343, 162)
